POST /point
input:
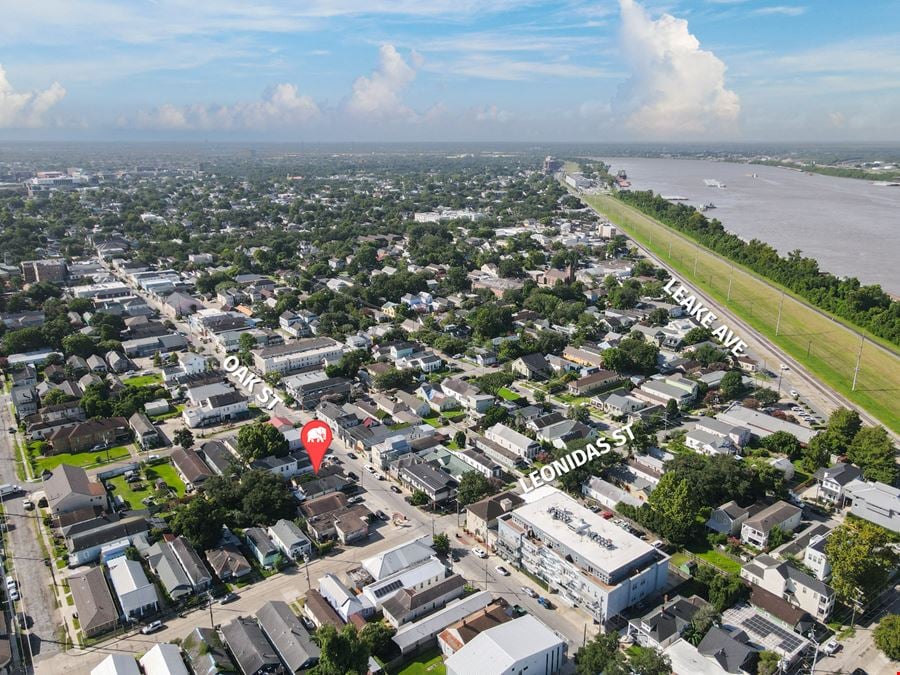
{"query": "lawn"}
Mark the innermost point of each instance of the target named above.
(174, 412)
(82, 459)
(429, 663)
(143, 380)
(716, 557)
(168, 473)
(508, 394)
(433, 420)
(825, 345)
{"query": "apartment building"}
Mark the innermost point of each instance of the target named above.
(789, 583)
(294, 356)
(591, 563)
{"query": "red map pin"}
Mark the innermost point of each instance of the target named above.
(316, 437)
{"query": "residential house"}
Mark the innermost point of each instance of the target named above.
(438, 485)
(228, 563)
(398, 558)
(96, 364)
(467, 395)
(163, 658)
(206, 653)
(790, 583)
(481, 516)
(522, 645)
(737, 435)
(250, 648)
(290, 540)
(136, 594)
(261, 546)
(190, 467)
(288, 636)
(876, 502)
(731, 652)
(455, 637)
(218, 457)
(424, 631)
(217, 409)
(146, 435)
(832, 480)
(590, 384)
(512, 440)
(480, 462)
(755, 530)
(345, 603)
(117, 664)
(531, 366)
(97, 612)
(619, 405)
(709, 444)
(103, 537)
(729, 518)
(178, 567)
(319, 611)
(25, 400)
(667, 623)
(417, 576)
(410, 603)
(92, 434)
(69, 489)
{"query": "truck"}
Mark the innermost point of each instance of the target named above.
(8, 489)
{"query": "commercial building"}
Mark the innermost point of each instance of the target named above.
(294, 356)
(592, 563)
(522, 645)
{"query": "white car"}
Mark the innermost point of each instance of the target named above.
(831, 647)
(479, 552)
(502, 571)
(529, 592)
(369, 468)
(10, 582)
(151, 627)
(794, 393)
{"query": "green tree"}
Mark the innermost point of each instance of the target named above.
(600, 655)
(675, 502)
(496, 414)
(246, 344)
(418, 498)
(777, 537)
(873, 450)
(441, 543)
(376, 635)
(861, 558)
(704, 618)
(394, 378)
(183, 437)
(732, 385)
(782, 443)
(887, 636)
(649, 661)
(198, 521)
(578, 412)
(845, 424)
(769, 663)
(819, 450)
(342, 652)
(78, 344)
(23, 340)
(460, 439)
(472, 487)
(259, 440)
(55, 396)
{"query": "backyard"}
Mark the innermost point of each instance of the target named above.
(133, 493)
(143, 380)
(428, 663)
(40, 463)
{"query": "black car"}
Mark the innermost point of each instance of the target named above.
(352, 476)
(351, 455)
(381, 514)
(394, 488)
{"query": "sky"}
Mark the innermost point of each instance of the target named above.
(450, 70)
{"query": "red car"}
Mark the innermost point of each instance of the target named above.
(607, 514)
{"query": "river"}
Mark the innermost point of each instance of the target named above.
(851, 227)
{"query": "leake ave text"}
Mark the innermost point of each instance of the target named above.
(704, 316)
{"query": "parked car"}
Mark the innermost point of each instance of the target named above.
(529, 592)
(394, 488)
(10, 582)
(831, 647)
(151, 627)
(14, 594)
(228, 597)
(794, 394)
(352, 476)
(351, 455)
(381, 515)
(479, 552)
(369, 468)
(28, 505)
(545, 603)
(502, 571)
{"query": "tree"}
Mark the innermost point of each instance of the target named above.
(674, 501)
(649, 661)
(342, 652)
(183, 437)
(418, 498)
(845, 424)
(394, 378)
(766, 396)
(704, 618)
(887, 636)
(861, 558)
(769, 663)
(599, 655)
(777, 537)
(198, 521)
(671, 409)
(78, 344)
(819, 450)
(873, 451)
(259, 440)
(23, 340)
(494, 415)
(460, 439)
(659, 317)
(782, 443)
(441, 543)
(246, 343)
(265, 498)
(55, 396)
(472, 487)
(376, 635)
(732, 384)
(579, 413)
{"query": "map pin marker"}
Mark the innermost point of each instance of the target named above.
(316, 437)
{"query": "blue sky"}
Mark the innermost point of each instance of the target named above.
(606, 70)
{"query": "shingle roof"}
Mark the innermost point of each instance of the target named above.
(93, 601)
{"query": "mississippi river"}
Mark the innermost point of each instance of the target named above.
(851, 227)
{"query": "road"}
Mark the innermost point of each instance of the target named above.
(34, 580)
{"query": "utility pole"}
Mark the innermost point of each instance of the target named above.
(306, 567)
(778, 322)
(696, 258)
(862, 341)
(670, 250)
(730, 280)
(212, 624)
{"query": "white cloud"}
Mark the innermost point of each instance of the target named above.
(26, 109)
(675, 86)
(491, 114)
(488, 67)
(380, 94)
(837, 119)
(780, 10)
(282, 107)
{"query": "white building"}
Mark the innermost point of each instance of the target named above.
(117, 664)
(592, 563)
(756, 529)
(137, 596)
(345, 603)
(398, 558)
(163, 658)
(513, 441)
(416, 577)
(294, 356)
(791, 584)
(524, 645)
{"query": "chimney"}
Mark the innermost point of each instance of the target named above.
(506, 504)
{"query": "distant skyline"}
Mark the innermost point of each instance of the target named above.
(435, 70)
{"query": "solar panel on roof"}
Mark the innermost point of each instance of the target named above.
(762, 626)
(389, 588)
